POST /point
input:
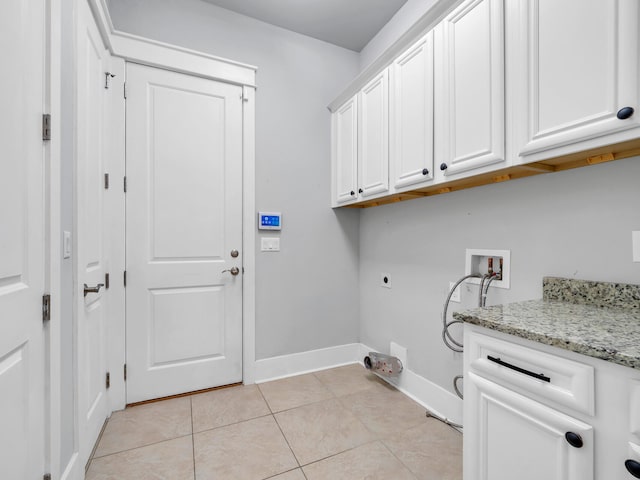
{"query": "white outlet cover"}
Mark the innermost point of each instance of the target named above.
(385, 280)
(456, 294)
(635, 242)
(399, 351)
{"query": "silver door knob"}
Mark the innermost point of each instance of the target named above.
(232, 270)
(96, 289)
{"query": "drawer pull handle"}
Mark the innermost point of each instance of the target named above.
(539, 376)
(633, 467)
(574, 439)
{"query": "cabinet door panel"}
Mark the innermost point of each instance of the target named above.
(412, 115)
(345, 157)
(470, 86)
(373, 137)
(575, 66)
(509, 436)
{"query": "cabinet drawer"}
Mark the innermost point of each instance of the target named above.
(544, 376)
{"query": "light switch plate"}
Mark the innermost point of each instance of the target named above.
(270, 244)
(635, 241)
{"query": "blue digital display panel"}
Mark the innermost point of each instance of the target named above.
(269, 220)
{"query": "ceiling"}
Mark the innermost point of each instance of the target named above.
(346, 23)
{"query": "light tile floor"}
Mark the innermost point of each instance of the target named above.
(338, 424)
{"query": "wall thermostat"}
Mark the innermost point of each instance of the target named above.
(269, 221)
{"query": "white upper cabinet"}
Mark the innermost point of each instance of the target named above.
(373, 137)
(412, 115)
(470, 73)
(574, 73)
(345, 153)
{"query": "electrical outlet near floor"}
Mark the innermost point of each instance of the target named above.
(385, 280)
(399, 351)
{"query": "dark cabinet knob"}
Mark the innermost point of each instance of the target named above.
(359, 190)
(574, 439)
(425, 171)
(625, 113)
(633, 467)
(443, 166)
(353, 193)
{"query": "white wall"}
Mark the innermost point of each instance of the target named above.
(307, 294)
(574, 224)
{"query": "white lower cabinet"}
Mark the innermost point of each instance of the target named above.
(511, 436)
(536, 412)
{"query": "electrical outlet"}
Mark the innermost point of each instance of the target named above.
(635, 245)
(385, 280)
(477, 261)
(456, 293)
(396, 350)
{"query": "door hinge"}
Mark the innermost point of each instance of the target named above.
(46, 126)
(107, 76)
(125, 184)
(106, 181)
(46, 307)
(125, 278)
(125, 372)
(108, 380)
(106, 281)
(46, 476)
(124, 88)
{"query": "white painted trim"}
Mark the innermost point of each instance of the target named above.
(432, 397)
(71, 471)
(427, 22)
(248, 235)
(53, 243)
(305, 362)
(138, 49)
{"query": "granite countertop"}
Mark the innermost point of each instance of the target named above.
(597, 319)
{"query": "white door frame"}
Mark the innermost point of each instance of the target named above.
(157, 54)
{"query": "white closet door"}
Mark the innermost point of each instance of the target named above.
(92, 60)
(184, 227)
(22, 240)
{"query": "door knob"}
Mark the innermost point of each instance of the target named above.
(96, 289)
(233, 271)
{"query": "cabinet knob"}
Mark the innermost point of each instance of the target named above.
(574, 439)
(425, 171)
(633, 467)
(353, 193)
(443, 166)
(625, 113)
(359, 190)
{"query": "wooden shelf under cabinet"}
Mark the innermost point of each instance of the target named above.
(575, 160)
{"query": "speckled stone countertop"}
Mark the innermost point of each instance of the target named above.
(597, 319)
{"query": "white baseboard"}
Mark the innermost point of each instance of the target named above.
(432, 397)
(305, 362)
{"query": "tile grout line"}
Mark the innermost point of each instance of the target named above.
(193, 439)
(143, 446)
(396, 457)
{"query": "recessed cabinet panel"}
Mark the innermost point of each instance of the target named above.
(575, 67)
(373, 137)
(509, 436)
(345, 156)
(412, 115)
(470, 88)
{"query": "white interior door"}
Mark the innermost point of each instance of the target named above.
(184, 222)
(91, 307)
(22, 242)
